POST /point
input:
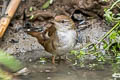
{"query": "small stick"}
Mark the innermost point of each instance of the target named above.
(116, 25)
(9, 13)
(100, 40)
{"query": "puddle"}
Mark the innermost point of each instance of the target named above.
(65, 72)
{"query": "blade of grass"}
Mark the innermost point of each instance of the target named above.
(116, 25)
(46, 5)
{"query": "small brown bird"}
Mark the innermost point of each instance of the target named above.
(58, 39)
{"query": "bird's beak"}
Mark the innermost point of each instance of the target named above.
(53, 22)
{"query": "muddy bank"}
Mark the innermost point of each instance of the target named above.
(26, 47)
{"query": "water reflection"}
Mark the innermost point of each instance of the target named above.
(65, 72)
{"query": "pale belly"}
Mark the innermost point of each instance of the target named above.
(67, 41)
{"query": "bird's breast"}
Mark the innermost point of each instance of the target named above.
(67, 39)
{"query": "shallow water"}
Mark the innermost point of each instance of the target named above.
(65, 72)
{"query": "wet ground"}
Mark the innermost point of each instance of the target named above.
(66, 72)
(27, 49)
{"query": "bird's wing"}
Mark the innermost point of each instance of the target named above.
(50, 39)
(49, 32)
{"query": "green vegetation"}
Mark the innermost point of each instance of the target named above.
(10, 63)
(107, 50)
(110, 16)
(47, 4)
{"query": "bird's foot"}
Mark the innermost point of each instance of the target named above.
(53, 59)
(58, 60)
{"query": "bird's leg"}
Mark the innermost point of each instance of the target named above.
(59, 59)
(53, 59)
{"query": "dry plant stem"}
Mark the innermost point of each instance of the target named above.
(10, 11)
(108, 33)
(116, 25)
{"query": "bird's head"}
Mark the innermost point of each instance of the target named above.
(63, 23)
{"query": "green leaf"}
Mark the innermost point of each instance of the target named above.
(109, 15)
(114, 4)
(118, 14)
(113, 35)
(31, 9)
(82, 52)
(119, 32)
(74, 52)
(51, 1)
(46, 5)
(105, 45)
(31, 17)
(118, 44)
(10, 62)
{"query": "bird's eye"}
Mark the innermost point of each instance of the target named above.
(62, 21)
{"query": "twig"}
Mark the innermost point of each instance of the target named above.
(99, 41)
(9, 13)
(108, 33)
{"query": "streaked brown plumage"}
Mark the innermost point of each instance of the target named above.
(58, 39)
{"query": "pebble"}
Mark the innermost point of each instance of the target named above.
(48, 78)
(47, 71)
